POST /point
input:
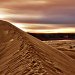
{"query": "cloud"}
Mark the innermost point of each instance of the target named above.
(38, 11)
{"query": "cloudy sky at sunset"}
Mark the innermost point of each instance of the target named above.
(39, 14)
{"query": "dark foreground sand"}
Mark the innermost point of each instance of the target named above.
(23, 54)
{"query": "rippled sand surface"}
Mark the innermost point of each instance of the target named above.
(65, 46)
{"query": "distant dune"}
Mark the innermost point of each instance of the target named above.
(65, 46)
(23, 54)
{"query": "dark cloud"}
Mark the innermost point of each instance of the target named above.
(49, 11)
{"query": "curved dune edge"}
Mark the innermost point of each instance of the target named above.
(23, 54)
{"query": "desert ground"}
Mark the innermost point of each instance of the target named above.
(23, 54)
(65, 46)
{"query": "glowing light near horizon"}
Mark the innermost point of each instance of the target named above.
(65, 30)
(2, 16)
(58, 30)
(21, 25)
(61, 30)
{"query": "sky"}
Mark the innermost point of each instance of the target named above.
(39, 15)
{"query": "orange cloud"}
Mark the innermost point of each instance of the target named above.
(43, 12)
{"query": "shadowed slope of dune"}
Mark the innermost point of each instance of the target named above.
(23, 54)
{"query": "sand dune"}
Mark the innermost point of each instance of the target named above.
(23, 54)
(65, 46)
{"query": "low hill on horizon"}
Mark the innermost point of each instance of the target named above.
(54, 36)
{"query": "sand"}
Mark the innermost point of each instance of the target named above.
(65, 46)
(23, 54)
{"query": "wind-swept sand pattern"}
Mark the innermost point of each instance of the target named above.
(23, 54)
(65, 46)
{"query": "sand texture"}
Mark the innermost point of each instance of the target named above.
(23, 54)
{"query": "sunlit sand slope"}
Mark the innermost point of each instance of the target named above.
(23, 54)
